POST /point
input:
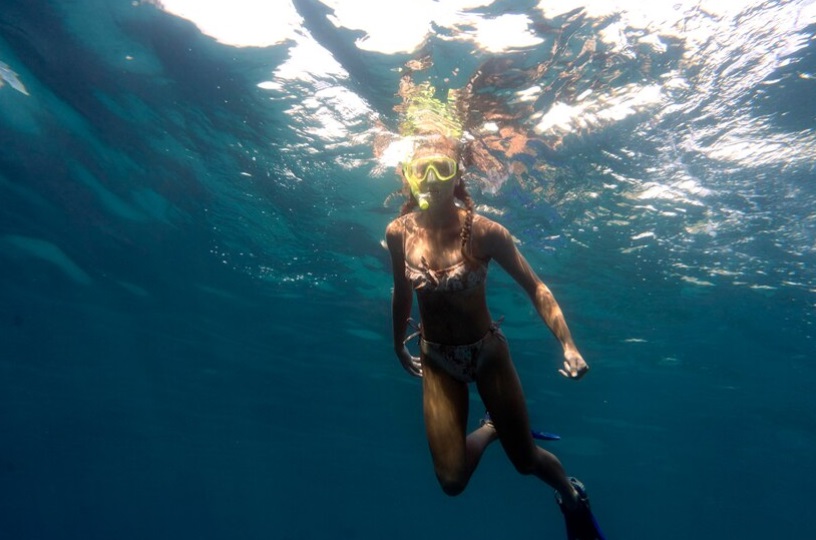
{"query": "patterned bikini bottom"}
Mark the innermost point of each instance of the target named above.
(459, 361)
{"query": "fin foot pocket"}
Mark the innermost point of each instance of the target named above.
(581, 524)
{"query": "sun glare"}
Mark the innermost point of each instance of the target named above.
(389, 26)
(241, 23)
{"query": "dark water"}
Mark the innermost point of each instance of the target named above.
(194, 301)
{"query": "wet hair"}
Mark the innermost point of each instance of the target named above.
(439, 126)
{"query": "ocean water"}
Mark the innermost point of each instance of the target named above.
(194, 296)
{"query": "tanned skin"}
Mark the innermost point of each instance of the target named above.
(462, 317)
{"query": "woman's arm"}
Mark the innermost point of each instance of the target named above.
(499, 245)
(401, 298)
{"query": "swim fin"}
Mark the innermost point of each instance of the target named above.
(545, 435)
(540, 435)
(581, 524)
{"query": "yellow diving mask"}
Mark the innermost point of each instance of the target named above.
(416, 172)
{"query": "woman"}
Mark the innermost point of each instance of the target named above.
(441, 250)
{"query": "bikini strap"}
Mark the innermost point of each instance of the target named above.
(495, 325)
(416, 334)
(408, 227)
(404, 234)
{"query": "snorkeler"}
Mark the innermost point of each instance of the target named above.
(440, 248)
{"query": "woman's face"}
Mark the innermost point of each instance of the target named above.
(432, 174)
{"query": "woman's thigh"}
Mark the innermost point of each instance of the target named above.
(500, 389)
(445, 406)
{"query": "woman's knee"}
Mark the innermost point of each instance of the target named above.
(524, 466)
(525, 461)
(451, 483)
(538, 462)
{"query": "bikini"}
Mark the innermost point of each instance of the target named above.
(458, 277)
(458, 361)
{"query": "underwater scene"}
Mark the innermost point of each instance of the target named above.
(195, 290)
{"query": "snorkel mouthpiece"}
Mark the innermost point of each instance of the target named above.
(422, 200)
(420, 196)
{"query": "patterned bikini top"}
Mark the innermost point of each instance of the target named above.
(458, 277)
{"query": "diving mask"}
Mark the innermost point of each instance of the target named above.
(416, 173)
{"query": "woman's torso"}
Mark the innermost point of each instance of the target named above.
(450, 287)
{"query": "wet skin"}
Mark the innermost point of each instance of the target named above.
(462, 317)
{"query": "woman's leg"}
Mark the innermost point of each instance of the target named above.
(500, 389)
(445, 405)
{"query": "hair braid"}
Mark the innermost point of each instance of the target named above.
(461, 193)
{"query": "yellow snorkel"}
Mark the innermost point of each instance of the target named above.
(425, 118)
(416, 190)
(421, 198)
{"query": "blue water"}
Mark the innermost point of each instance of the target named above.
(194, 299)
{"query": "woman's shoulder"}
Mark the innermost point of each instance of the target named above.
(489, 236)
(484, 226)
(398, 227)
(398, 222)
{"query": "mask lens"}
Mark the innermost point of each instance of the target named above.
(419, 169)
(443, 167)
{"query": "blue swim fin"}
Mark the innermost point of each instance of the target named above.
(545, 435)
(581, 524)
(540, 435)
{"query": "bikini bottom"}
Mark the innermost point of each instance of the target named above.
(459, 361)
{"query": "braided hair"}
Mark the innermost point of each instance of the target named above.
(461, 193)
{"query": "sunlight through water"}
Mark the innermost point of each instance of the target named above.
(680, 81)
(196, 335)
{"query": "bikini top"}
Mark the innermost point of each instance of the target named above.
(458, 277)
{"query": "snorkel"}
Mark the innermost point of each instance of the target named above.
(428, 122)
(421, 198)
(414, 184)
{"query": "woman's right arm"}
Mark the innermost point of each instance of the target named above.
(401, 298)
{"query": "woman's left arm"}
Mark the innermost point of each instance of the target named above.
(498, 244)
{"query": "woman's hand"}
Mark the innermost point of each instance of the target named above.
(411, 364)
(574, 365)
